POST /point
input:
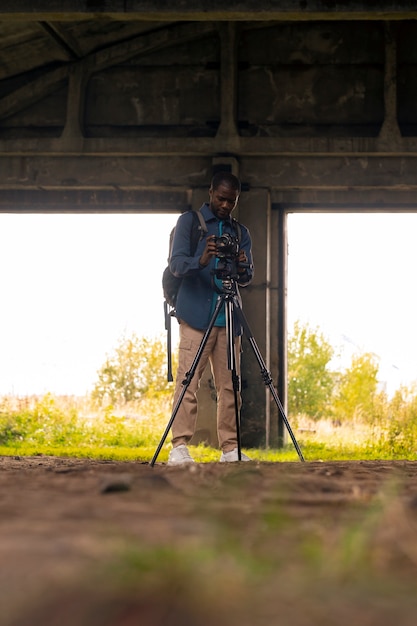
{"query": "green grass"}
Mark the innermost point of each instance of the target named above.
(72, 428)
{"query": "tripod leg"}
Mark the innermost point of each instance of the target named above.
(186, 383)
(231, 360)
(189, 376)
(266, 375)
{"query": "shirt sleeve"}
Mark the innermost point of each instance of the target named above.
(182, 262)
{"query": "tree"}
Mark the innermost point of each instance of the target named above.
(136, 368)
(310, 383)
(357, 388)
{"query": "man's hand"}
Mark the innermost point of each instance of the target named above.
(242, 262)
(209, 251)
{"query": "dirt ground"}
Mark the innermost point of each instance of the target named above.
(68, 526)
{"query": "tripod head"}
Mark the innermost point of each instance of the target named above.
(226, 274)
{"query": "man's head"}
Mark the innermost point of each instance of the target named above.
(224, 194)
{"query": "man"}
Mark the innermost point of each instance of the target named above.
(196, 301)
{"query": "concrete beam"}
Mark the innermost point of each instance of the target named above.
(65, 41)
(118, 174)
(231, 145)
(308, 173)
(94, 201)
(206, 9)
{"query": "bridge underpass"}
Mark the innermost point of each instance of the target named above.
(131, 110)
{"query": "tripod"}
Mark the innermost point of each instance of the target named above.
(228, 297)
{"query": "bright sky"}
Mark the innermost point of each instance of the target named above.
(72, 285)
(353, 276)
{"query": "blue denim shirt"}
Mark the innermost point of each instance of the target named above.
(197, 292)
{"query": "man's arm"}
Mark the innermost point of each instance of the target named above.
(182, 262)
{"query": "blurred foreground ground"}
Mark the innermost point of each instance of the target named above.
(95, 543)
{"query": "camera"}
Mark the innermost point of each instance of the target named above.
(227, 246)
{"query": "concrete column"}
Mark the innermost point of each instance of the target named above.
(75, 103)
(390, 130)
(257, 410)
(280, 266)
(228, 78)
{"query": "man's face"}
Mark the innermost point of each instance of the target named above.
(223, 200)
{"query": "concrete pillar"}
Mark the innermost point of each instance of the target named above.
(280, 277)
(255, 212)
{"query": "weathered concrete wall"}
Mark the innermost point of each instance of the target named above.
(309, 79)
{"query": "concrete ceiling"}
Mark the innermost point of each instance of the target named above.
(57, 147)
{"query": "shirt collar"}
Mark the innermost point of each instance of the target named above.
(210, 217)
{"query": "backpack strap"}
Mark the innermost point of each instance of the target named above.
(237, 228)
(197, 234)
(203, 225)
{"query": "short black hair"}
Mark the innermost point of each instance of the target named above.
(226, 178)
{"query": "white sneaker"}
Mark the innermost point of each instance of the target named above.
(180, 455)
(232, 456)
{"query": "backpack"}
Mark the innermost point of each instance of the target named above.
(171, 283)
